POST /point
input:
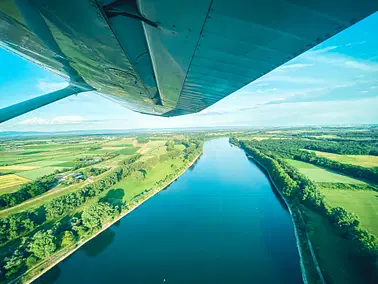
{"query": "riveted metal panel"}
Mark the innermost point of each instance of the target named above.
(243, 40)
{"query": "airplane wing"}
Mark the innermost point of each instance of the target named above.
(166, 57)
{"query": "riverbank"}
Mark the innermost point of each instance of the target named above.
(63, 254)
(300, 240)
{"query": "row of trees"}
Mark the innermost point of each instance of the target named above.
(298, 189)
(83, 162)
(27, 191)
(343, 147)
(294, 186)
(345, 186)
(370, 174)
(44, 243)
(82, 175)
(68, 229)
(45, 183)
(369, 135)
(291, 149)
(15, 225)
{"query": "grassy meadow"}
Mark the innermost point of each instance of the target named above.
(332, 251)
(339, 154)
(10, 183)
(367, 161)
(32, 159)
(53, 155)
(364, 203)
(132, 187)
(319, 174)
(46, 184)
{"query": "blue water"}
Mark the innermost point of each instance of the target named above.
(220, 222)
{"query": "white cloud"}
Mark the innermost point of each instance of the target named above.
(51, 86)
(294, 66)
(365, 66)
(340, 60)
(272, 77)
(59, 120)
(322, 50)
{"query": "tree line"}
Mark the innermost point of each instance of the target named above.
(45, 183)
(291, 149)
(339, 147)
(18, 224)
(298, 189)
(27, 191)
(37, 244)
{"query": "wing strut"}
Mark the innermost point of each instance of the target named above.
(32, 104)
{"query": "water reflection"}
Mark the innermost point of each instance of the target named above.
(192, 167)
(213, 226)
(97, 245)
(274, 190)
(50, 276)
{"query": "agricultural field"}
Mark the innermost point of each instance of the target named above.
(9, 183)
(364, 203)
(47, 184)
(332, 251)
(33, 159)
(319, 174)
(342, 166)
(132, 186)
(47, 156)
(367, 161)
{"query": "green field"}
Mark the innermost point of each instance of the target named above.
(33, 159)
(332, 251)
(126, 151)
(45, 163)
(66, 164)
(10, 183)
(364, 203)
(319, 174)
(122, 147)
(367, 161)
(123, 142)
(133, 187)
(180, 147)
(37, 173)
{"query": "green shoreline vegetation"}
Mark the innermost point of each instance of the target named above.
(57, 193)
(35, 238)
(333, 204)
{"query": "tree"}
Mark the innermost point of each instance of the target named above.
(170, 145)
(94, 215)
(68, 238)
(139, 175)
(31, 261)
(77, 226)
(14, 263)
(43, 244)
(343, 219)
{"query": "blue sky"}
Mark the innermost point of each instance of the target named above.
(334, 83)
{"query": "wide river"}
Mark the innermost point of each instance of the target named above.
(220, 222)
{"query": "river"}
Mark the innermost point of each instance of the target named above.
(220, 222)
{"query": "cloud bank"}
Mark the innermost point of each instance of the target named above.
(59, 120)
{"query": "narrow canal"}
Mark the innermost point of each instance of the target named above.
(220, 222)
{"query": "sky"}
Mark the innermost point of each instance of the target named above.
(335, 83)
